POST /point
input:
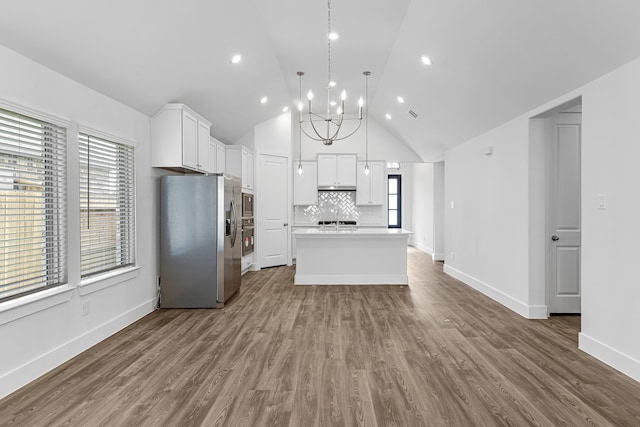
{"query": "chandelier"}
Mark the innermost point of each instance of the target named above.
(327, 127)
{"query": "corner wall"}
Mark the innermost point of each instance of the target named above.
(36, 339)
(610, 250)
(487, 240)
(421, 197)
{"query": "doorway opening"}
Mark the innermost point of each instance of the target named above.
(555, 200)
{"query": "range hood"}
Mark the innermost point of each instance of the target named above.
(336, 188)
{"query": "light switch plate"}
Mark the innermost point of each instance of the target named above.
(602, 201)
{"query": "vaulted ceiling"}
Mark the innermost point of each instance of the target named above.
(492, 59)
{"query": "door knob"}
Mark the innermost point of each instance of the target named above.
(555, 238)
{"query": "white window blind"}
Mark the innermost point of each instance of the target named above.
(107, 203)
(32, 204)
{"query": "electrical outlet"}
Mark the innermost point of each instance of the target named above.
(85, 308)
(453, 256)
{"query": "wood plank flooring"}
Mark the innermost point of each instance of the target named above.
(433, 353)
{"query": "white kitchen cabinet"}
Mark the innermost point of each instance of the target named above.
(204, 145)
(370, 189)
(305, 186)
(180, 139)
(221, 157)
(212, 154)
(217, 155)
(239, 162)
(247, 170)
(336, 171)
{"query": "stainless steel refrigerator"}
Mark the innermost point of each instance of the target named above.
(200, 247)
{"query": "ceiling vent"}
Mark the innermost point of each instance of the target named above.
(413, 114)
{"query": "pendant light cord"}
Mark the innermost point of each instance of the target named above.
(366, 113)
(300, 74)
(328, 43)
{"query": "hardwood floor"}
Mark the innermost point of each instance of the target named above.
(433, 353)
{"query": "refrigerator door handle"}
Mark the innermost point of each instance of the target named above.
(234, 223)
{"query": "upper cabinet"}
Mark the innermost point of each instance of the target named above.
(239, 162)
(336, 171)
(217, 155)
(305, 185)
(221, 157)
(180, 139)
(370, 188)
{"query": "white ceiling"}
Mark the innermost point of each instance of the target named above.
(492, 60)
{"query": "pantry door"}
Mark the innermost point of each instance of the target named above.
(272, 210)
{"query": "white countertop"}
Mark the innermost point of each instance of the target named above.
(310, 225)
(346, 231)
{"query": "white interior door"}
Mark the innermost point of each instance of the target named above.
(272, 210)
(564, 214)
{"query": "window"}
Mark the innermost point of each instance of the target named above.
(395, 201)
(107, 202)
(32, 204)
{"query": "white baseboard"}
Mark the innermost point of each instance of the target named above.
(438, 256)
(22, 375)
(427, 250)
(524, 310)
(612, 357)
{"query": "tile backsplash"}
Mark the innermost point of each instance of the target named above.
(340, 205)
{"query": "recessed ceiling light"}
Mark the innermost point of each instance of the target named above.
(332, 84)
(388, 116)
(285, 109)
(263, 100)
(236, 58)
(426, 60)
(332, 103)
(401, 100)
(333, 36)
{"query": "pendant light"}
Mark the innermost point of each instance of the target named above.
(366, 121)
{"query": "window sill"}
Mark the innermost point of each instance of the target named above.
(103, 281)
(29, 304)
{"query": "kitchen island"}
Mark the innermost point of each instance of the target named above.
(363, 256)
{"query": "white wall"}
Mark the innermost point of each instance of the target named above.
(488, 228)
(438, 211)
(274, 135)
(421, 196)
(248, 140)
(610, 250)
(382, 145)
(35, 339)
